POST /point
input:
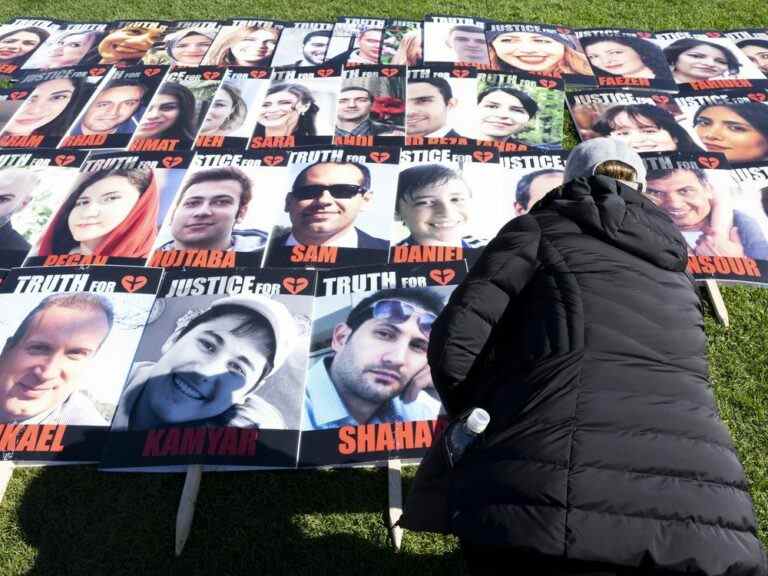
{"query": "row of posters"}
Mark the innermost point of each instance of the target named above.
(587, 57)
(238, 368)
(332, 207)
(154, 108)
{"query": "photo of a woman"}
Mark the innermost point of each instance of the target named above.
(288, 109)
(646, 128)
(70, 49)
(409, 52)
(128, 45)
(109, 213)
(226, 113)
(50, 109)
(183, 48)
(694, 60)
(171, 114)
(538, 52)
(17, 45)
(502, 112)
(624, 56)
(740, 131)
(247, 46)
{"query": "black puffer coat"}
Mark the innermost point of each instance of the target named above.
(580, 332)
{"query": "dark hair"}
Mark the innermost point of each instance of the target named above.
(650, 54)
(78, 300)
(667, 172)
(219, 174)
(754, 113)
(752, 42)
(308, 36)
(41, 33)
(63, 241)
(528, 103)
(416, 178)
(349, 87)
(663, 119)
(673, 51)
(91, 57)
(306, 125)
(366, 173)
(58, 126)
(764, 192)
(184, 126)
(254, 323)
(125, 82)
(428, 299)
(440, 83)
(523, 190)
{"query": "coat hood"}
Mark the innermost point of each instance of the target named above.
(617, 214)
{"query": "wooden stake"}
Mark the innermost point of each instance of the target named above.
(6, 471)
(721, 312)
(395, 489)
(187, 505)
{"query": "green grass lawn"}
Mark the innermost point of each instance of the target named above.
(74, 520)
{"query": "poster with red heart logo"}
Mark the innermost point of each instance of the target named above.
(226, 347)
(370, 332)
(102, 310)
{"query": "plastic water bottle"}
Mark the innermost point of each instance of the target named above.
(464, 433)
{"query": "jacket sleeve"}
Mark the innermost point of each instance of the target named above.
(463, 328)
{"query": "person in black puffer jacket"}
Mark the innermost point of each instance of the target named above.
(580, 332)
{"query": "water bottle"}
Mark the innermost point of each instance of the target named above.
(463, 433)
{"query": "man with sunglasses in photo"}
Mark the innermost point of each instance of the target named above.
(378, 371)
(323, 204)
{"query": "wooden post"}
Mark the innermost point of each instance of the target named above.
(187, 505)
(721, 312)
(6, 471)
(395, 489)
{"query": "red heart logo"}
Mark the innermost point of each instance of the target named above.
(64, 159)
(97, 71)
(325, 72)
(273, 160)
(211, 75)
(709, 162)
(18, 95)
(172, 161)
(643, 34)
(460, 73)
(443, 276)
(756, 96)
(258, 74)
(149, 72)
(547, 83)
(482, 155)
(713, 34)
(132, 283)
(295, 285)
(563, 30)
(659, 98)
(389, 72)
(379, 157)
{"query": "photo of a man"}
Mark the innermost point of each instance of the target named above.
(210, 366)
(534, 186)
(112, 110)
(314, 47)
(323, 204)
(434, 202)
(428, 103)
(705, 215)
(209, 206)
(468, 44)
(16, 188)
(44, 362)
(367, 47)
(377, 371)
(353, 115)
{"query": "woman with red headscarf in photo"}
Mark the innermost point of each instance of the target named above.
(109, 213)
